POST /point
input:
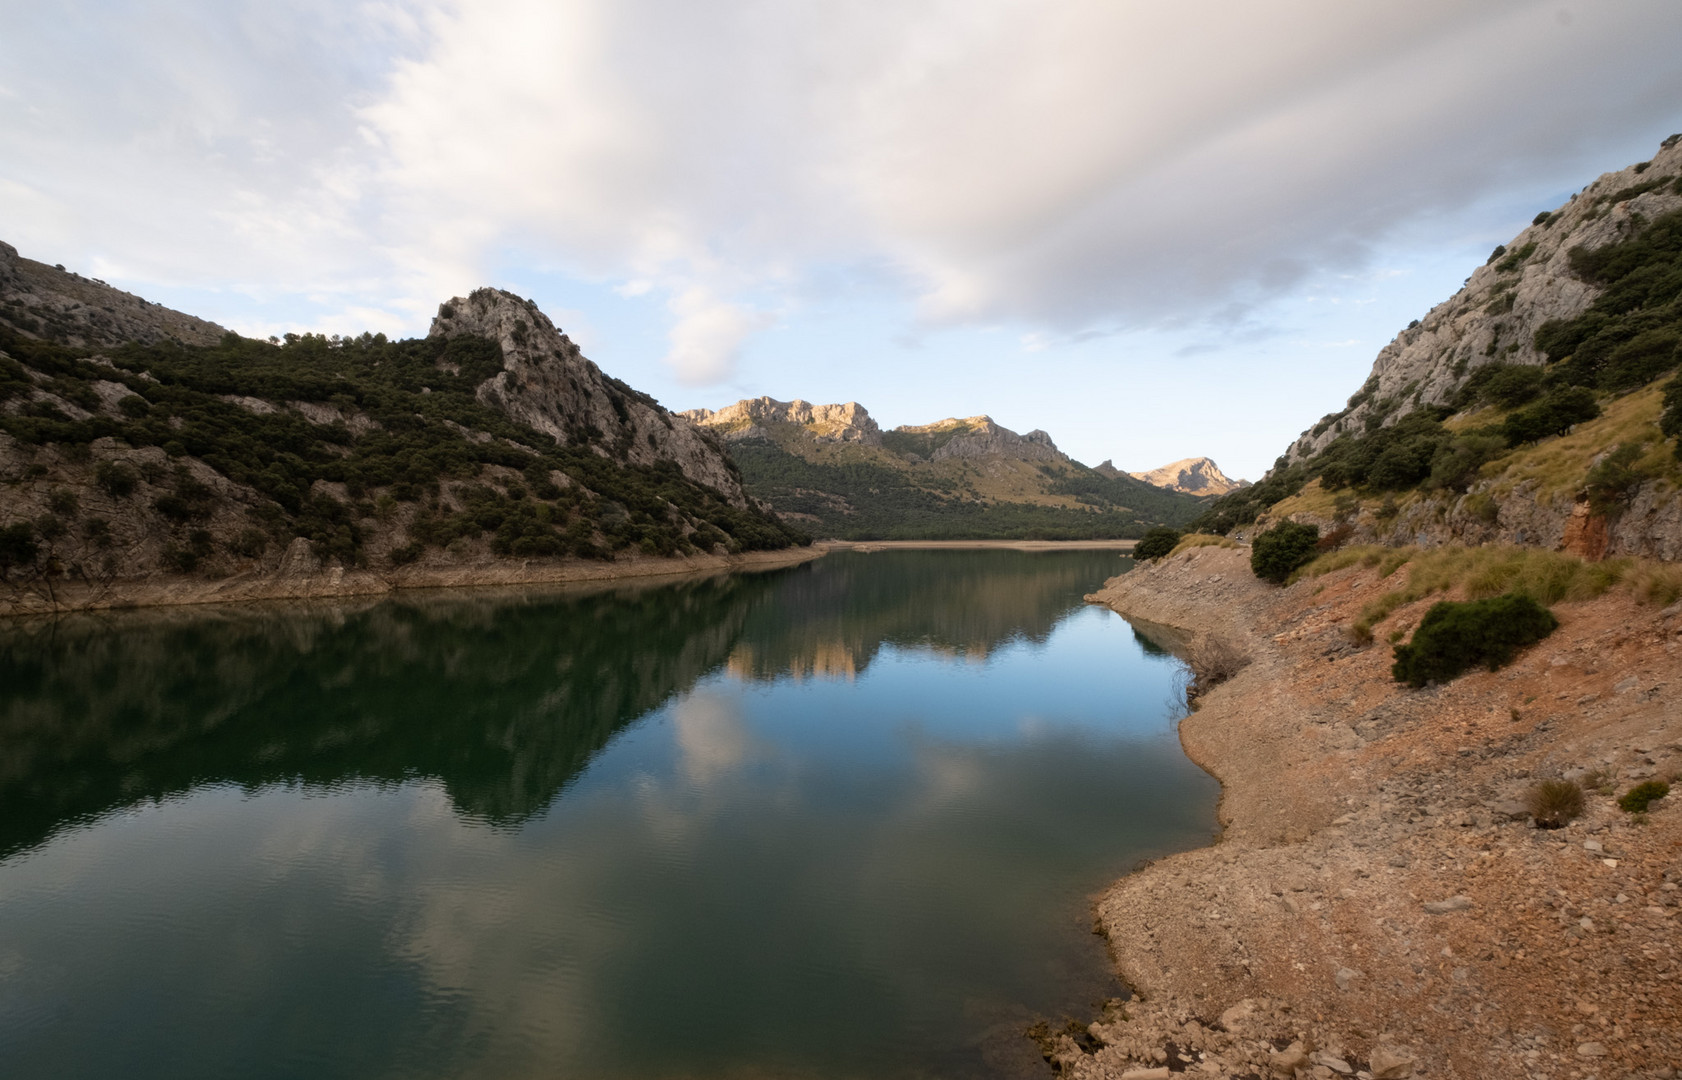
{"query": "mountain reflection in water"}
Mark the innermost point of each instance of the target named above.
(502, 697)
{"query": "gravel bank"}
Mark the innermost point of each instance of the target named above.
(1378, 904)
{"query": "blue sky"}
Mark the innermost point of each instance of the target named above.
(1152, 230)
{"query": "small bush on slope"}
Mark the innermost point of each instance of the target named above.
(1454, 636)
(1637, 798)
(1554, 802)
(1281, 549)
(1156, 543)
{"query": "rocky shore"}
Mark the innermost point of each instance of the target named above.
(1380, 904)
(300, 575)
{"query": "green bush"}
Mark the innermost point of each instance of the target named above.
(1637, 798)
(1156, 543)
(1277, 552)
(1456, 635)
(1553, 415)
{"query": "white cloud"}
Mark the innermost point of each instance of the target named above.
(1091, 164)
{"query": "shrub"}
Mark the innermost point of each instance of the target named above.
(1614, 480)
(1156, 543)
(1454, 636)
(408, 553)
(1277, 552)
(117, 479)
(1637, 798)
(17, 546)
(1213, 660)
(1552, 803)
(1553, 415)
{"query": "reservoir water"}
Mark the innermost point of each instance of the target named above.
(842, 820)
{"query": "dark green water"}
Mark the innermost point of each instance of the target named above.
(844, 820)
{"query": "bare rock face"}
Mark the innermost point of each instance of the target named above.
(1494, 318)
(848, 423)
(44, 301)
(978, 437)
(1196, 476)
(549, 385)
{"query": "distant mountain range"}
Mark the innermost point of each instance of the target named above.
(832, 470)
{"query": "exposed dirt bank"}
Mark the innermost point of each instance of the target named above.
(1379, 905)
(300, 576)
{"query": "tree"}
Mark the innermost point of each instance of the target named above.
(1277, 552)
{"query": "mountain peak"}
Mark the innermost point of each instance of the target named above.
(1194, 475)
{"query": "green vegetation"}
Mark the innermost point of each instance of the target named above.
(405, 423)
(869, 501)
(1627, 338)
(1638, 798)
(1553, 803)
(1454, 636)
(1156, 543)
(1279, 551)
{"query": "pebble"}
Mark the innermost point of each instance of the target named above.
(1591, 1050)
(1444, 907)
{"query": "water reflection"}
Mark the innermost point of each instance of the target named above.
(622, 834)
(504, 697)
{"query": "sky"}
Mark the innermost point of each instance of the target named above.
(1154, 230)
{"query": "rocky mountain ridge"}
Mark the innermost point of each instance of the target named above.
(832, 469)
(50, 302)
(1195, 476)
(186, 463)
(1494, 317)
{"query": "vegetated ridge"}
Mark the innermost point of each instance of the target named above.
(1538, 406)
(1194, 476)
(831, 470)
(142, 447)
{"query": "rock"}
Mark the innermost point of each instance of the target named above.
(1445, 907)
(548, 384)
(1238, 1015)
(1345, 976)
(1590, 1050)
(1332, 1062)
(1509, 809)
(1161, 1073)
(1287, 1061)
(1389, 1063)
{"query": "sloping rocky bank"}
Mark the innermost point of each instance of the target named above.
(1379, 904)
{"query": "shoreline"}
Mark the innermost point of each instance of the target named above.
(868, 546)
(336, 582)
(1377, 903)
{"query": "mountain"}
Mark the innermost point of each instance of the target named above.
(832, 470)
(1195, 476)
(1538, 405)
(142, 445)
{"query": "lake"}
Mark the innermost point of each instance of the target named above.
(841, 820)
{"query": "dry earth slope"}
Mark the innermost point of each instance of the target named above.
(1378, 904)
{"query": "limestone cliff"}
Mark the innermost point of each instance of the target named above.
(1494, 317)
(548, 384)
(1197, 476)
(747, 419)
(978, 437)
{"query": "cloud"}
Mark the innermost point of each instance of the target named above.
(1096, 164)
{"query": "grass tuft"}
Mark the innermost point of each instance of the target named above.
(1197, 540)
(1554, 802)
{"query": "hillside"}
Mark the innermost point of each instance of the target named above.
(141, 445)
(1537, 406)
(832, 471)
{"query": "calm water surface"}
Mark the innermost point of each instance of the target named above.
(843, 820)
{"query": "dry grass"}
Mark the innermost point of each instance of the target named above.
(1554, 802)
(1559, 466)
(1197, 540)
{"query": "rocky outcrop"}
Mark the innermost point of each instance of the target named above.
(1495, 316)
(747, 419)
(548, 384)
(1195, 476)
(979, 437)
(50, 302)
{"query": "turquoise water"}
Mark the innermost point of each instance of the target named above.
(841, 820)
